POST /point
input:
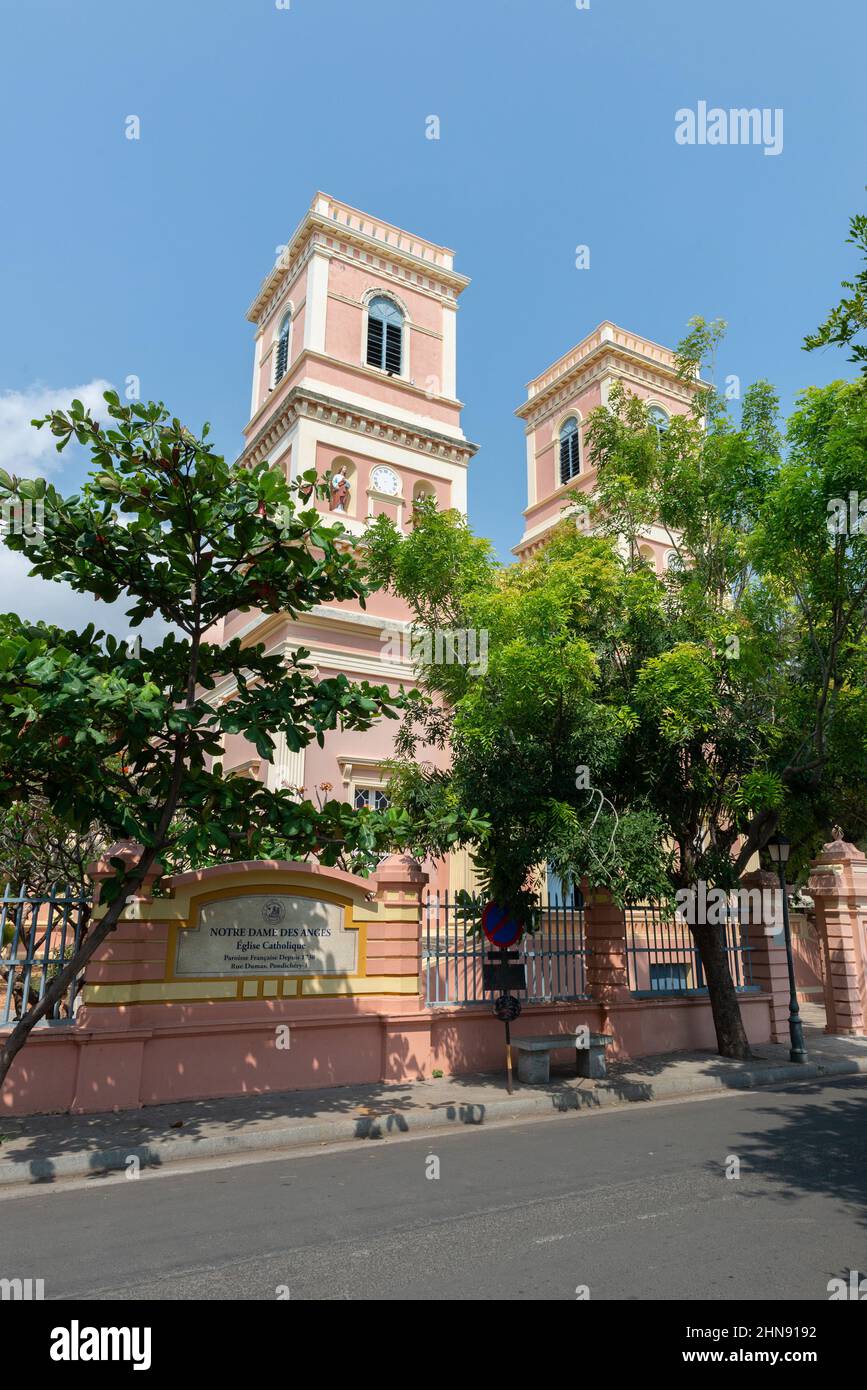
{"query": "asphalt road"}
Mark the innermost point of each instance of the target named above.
(633, 1204)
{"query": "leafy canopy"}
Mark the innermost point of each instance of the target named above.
(131, 737)
(709, 705)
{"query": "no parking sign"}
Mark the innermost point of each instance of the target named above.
(500, 926)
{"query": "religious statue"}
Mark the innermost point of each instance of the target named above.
(339, 492)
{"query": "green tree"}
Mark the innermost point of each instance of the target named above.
(709, 706)
(848, 318)
(129, 738)
(524, 727)
(39, 850)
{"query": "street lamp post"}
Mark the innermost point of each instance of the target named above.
(778, 849)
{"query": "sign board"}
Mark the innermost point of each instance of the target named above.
(267, 934)
(508, 975)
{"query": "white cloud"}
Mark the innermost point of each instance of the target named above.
(28, 451)
(42, 600)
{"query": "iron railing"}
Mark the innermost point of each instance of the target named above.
(454, 949)
(38, 935)
(662, 957)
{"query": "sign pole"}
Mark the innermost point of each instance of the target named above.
(504, 971)
(507, 1008)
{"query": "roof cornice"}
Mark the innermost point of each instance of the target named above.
(328, 218)
(600, 363)
(645, 360)
(302, 403)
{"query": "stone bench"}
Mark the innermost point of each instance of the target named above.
(534, 1055)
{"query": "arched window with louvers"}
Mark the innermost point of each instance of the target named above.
(385, 328)
(281, 359)
(570, 450)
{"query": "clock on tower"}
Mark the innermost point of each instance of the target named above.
(385, 480)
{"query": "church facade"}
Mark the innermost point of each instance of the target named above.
(355, 374)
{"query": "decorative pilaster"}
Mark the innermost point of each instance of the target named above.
(394, 944)
(606, 961)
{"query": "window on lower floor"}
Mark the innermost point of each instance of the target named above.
(370, 799)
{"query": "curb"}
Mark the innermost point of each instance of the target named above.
(42, 1171)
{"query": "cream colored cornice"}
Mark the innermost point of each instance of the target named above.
(320, 617)
(371, 375)
(605, 360)
(302, 403)
(348, 764)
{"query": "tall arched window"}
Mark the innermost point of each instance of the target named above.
(282, 361)
(658, 418)
(384, 335)
(570, 461)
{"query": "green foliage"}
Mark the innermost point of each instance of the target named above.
(38, 849)
(519, 729)
(708, 706)
(437, 566)
(130, 737)
(849, 317)
(626, 855)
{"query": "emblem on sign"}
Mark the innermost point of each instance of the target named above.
(273, 912)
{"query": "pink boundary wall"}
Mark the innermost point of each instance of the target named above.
(122, 1055)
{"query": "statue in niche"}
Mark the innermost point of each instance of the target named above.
(339, 492)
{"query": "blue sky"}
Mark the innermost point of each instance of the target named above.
(557, 128)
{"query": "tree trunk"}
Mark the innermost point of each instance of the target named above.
(730, 1033)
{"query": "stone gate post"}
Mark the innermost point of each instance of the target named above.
(400, 884)
(838, 887)
(606, 960)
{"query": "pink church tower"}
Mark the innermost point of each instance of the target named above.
(354, 373)
(555, 414)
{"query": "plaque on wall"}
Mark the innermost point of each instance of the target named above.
(267, 934)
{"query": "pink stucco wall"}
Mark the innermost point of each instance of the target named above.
(119, 1056)
(363, 462)
(292, 298)
(169, 1053)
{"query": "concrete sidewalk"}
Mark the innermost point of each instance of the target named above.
(42, 1149)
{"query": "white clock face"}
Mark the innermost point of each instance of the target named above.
(385, 480)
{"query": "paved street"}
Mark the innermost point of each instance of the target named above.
(633, 1203)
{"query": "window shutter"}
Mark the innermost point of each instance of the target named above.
(282, 356)
(375, 336)
(570, 458)
(393, 348)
